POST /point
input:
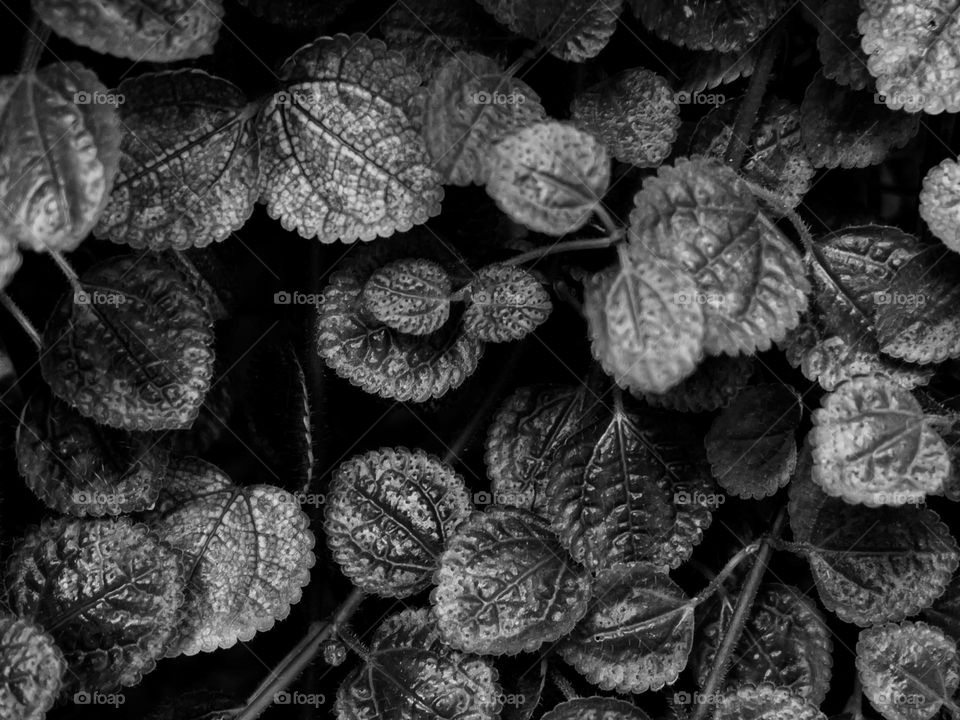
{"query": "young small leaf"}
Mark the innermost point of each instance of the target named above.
(908, 670)
(505, 585)
(32, 669)
(838, 41)
(708, 25)
(717, 380)
(389, 513)
(939, 199)
(596, 708)
(637, 633)
(764, 702)
(248, 553)
(504, 303)
(549, 176)
(411, 296)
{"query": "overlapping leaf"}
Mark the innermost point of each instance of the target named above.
(188, 165)
(716, 381)
(248, 553)
(32, 669)
(505, 302)
(764, 702)
(708, 25)
(939, 200)
(411, 296)
(596, 708)
(708, 69)
(389, 513)
(838, 41)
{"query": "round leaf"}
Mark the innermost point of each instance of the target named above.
(411, 296)
(596, 708)
(32, 669)
(504, 303)
(764, 702)
(939, 201)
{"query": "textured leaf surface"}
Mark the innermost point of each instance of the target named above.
(716, 381)
(340, 158)
(142, 30)
(469, 106)
(838, 41)
(505, 585)
(596, 708)
(701, 217)
(908, 670)
(188, 165)
(411, 296)
(635, 114)
(31, 667)
(709, 25)
(108, 591)
(134, 350)
(389, 513)
(248, 552)
(879, 565)
(805, 496)
(945, 612)
(574, 30)
(912, 52)
(785, 641)
(764, 702)
(939, 201)
(873, 445)
(549, 176)
(637, 633)
(78, 468)
(60, 158)
(504, 303)
(631, 487)
(708, 69)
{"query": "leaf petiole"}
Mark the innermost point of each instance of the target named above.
(11, 307)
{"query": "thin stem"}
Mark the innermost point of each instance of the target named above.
(38, 33)
(568, 246)
(298, 658)
(613, 230)
(721, 577)
(741, 613)
(66, 269)
(788, 212)
(351, 640)
(564, 685)
(18, 315)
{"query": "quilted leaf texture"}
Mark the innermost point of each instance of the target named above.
(939, 201)
(389, 513)
(764, 702)
(188, 165)
(78, 468)
(32, 669)
(142, 30)
(469, 106)
(340, 158)
(60, 138)
(637, 633)
(596, 708)
(632, 487)
(133, 350)
(410, 295)
(911, 48)
(708, 25)
(108, 591)
(909, 671)
(879, 565)
(247, 553)
(504, 303)
(574, 30)
(549, 176)
(505, 585)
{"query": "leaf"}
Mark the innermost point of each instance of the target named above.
(637, 634)
(910, 53)
(872, 444)
(805, 497)
(596, 708)
(635, 114)
(504, 303)
(142, 30)
(838, 41)
(107, 591)
(644, 332)
(549, 176)
(297, 14)
(909, 671)
(938, 202)
(785, 641)
(188, 164)
(574, 30)
(134, 350)
(411, 296)
(505, 585)
(751, 445)
(879, 565)
(248, 551)
(716, 381)
(945, 612)
(380, 360)
(524, 682)
(845, 128)
(388, 515)
(708, 69)
(631, 487)
(469, 106)
(32, 668)
(411, 675)
(78, 468)
(708, 25)
(340, 159)
(60, 137)
(764, 702)
(698, 215)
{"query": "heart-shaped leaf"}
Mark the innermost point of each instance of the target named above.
(340, 158)
(504, 303)
(106, 590)
(248, 552)
(637, 633)
(411, 296)
(717, 380)
(505, 585)
(389, 513)
(133, 350)
(188, 165)
(32, 669)
(708, 25)
(764, 702)
(595, 708)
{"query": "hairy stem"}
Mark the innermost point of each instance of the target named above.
(11, 307)
(721, 577)
(66, 269)
(561, 247)
(563, 685)
(35, 42)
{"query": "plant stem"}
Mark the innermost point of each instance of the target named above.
(18, 315)
(66, 269)
(721, 577)
(568, 246)
(298, 658)
(35, 43)
(613, 230)
(741, 613)
(564, 685)
(788, 212)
